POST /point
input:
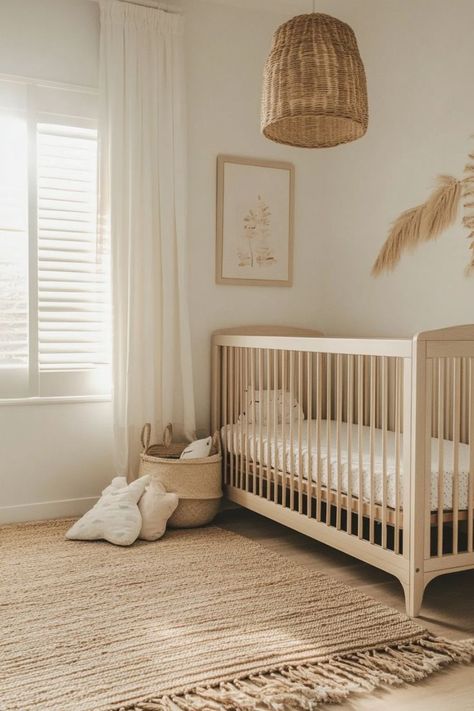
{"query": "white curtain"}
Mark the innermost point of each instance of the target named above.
(142, 207)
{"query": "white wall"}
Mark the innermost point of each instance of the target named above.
(418, 56)
(57, 40)
(54, 459)
(227, 46)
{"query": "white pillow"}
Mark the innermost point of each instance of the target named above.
(198, 449)
(115, 517)
(118, 482)
(156, 506)
(290, 412)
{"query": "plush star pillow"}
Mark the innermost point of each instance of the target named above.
(115, 517)
(156, 506)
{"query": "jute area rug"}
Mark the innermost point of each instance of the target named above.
(202, 620)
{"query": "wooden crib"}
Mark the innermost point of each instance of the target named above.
(364, 444)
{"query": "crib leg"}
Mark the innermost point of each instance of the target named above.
(414, 596)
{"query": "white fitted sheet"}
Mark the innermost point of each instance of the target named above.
(262, 449)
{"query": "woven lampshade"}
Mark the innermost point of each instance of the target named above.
(314, 87)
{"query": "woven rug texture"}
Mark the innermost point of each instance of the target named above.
(203, 619)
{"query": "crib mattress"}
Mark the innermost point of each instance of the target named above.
(261, 449)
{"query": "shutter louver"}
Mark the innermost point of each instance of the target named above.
(13, 243)
(73, 278)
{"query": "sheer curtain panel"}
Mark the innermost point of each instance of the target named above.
(142, 206)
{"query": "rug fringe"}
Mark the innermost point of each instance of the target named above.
(303, 687)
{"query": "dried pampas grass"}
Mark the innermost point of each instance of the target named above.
(403, 235)
(422, 223)
(468, 219)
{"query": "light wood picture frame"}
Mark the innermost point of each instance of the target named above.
(254, 221)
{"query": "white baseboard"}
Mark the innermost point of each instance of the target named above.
(64, 508)
(46, 509)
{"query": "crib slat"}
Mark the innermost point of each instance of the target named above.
(319, 411)
(338, 439)
(384, 405)
(260, 454)
(224, 414)
(275, 427)
(360, 441)
(470, 408)
(441, 405)
(238, 447)
(300, 401)
(350, 422)
(398, 416)
(470, 514)
(242, 406)
(428, 468)
(292, 450)
(284, 368)
(247, 415)
(328, 436)
(233, 395)
(253, 448)
(231, 413)
(372, 449)
(268, 437)
(456, 439)
(238, 409)
(309, 431)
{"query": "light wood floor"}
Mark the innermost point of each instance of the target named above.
(448, 610)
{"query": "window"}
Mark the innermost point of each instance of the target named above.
(54, 270)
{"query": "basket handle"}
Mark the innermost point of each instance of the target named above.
(168, 435)
(146, 436)
(216, 442)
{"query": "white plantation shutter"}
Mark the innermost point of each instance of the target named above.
(13, 243)
(73, 279)
(54, 280)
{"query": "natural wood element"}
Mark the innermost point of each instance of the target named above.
(412, 388)
(279, 331)
(347, 503)
(464, 333)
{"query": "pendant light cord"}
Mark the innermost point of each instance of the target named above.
(314, 6)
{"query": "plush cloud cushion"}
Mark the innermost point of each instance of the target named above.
(115, 517)
(156, 506)
(198, 449)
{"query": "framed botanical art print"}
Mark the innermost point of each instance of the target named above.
(255, 205)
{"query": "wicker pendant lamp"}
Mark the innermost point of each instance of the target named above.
(314, 87)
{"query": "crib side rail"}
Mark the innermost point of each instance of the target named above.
(339, 462)
(446, 415)
(401, 347)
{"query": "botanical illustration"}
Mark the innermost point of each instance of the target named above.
(254, 248)
(255, 222)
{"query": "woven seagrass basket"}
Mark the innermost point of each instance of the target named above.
(198, 482)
